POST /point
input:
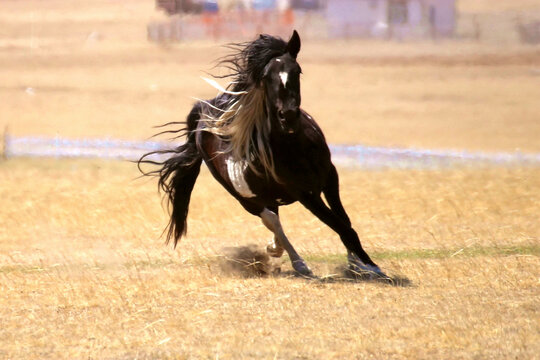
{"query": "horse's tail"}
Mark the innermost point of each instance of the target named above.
(177, 175)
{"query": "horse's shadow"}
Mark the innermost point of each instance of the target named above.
(253, 262)
(344, 273)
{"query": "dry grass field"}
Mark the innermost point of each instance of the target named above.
(84, 272)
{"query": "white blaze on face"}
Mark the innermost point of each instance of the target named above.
(235, 170)
(284, 77)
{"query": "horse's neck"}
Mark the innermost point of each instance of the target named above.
(286, 147)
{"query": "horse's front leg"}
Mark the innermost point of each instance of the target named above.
(358, 259)
(331, 193)
(271, 220)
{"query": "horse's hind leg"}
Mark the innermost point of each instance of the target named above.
(271, 220)
(274, 248)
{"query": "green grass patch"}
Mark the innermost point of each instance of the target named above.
(414, 254)
(25, 269)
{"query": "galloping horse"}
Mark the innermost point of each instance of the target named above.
(262, 147)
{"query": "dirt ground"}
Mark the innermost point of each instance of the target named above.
(85, 273)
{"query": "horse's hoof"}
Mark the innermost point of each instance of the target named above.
(301, 268)
(369, 272)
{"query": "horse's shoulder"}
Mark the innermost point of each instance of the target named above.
(311, 129)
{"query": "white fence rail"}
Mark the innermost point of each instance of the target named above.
(79, 148)
(358, 156)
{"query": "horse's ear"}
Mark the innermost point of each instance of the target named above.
(293, 46)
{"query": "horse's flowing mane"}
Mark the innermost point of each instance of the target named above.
(239, 114)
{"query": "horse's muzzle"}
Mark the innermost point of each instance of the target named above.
(288, 120)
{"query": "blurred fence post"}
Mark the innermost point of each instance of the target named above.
(4, 149)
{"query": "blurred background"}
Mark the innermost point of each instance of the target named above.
(441, 74)
(380, 19)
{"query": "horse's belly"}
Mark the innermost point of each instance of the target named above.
(270, 193)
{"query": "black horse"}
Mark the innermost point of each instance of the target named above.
(262, 147)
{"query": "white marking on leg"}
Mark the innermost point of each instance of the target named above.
(284, 77)
(271, 220)
(235, 170)
(273, 248)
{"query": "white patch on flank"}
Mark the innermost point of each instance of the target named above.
(284, 77)
(236, 170)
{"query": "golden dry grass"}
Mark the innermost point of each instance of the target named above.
(85, 274)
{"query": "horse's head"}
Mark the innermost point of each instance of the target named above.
(281, 82)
